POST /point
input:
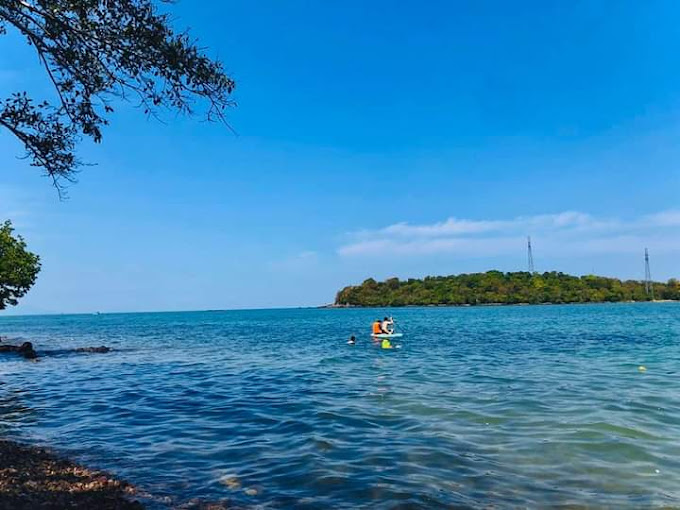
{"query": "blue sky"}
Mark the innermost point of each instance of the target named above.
(374, 139)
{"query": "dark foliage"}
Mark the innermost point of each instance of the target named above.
(18, 267)
(94, 51)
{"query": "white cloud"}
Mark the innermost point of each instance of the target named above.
(664, 219)
(569, 232)
(452, 226)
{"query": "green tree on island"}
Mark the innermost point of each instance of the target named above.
(18, 267)
(95, 52)
(496, 287)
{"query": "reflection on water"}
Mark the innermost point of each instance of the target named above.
(511, 407)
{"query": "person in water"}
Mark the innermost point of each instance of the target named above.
(352, 340)
(387, 325)
(386, 344)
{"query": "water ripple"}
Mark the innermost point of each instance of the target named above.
(482, 407)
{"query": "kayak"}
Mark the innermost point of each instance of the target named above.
(388, 335)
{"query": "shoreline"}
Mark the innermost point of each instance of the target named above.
(12, 315)
(468, 305)
(37, 477)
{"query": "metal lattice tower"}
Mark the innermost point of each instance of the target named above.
(530, 255)
(649, 287)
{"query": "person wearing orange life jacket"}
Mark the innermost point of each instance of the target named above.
(377, 327)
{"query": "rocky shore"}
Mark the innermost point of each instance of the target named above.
(32, 477)
(36, 478)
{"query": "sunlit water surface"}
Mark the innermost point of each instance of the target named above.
(501, 406)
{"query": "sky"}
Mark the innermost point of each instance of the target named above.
(373, 139)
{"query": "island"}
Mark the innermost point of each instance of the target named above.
(496, 287)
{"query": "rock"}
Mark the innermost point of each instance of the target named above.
(101, 349)
(199, 504)
(33, 477)
(25, 349)
(232, 482)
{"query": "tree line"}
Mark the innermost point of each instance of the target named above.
(496, 287)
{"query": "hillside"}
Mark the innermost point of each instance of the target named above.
(496, 287)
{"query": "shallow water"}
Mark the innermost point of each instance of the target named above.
(500, 406)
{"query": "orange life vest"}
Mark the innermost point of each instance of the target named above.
(377, 329)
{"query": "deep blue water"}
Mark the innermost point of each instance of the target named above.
(500, 406)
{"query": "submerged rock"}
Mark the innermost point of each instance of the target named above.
(199, 504)
(231, 481)
(25, 350)
(101, 349)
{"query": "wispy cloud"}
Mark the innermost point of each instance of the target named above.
(664, 219)
(565, 232)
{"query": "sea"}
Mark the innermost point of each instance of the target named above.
(569, 406)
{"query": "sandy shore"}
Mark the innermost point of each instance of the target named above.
(33, 477)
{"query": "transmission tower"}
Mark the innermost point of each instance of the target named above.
(649, 287)
(530, 255)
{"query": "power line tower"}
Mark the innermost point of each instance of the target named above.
(649, 287)
(530, 255)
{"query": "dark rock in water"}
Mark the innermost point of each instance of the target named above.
(25, 349)
(102, 349)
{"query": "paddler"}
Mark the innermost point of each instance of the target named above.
(377, 328)
(387, 325)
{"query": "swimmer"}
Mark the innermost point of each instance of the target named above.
(352, 340)
(386, 344)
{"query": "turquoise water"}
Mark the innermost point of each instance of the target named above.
(500, 406)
